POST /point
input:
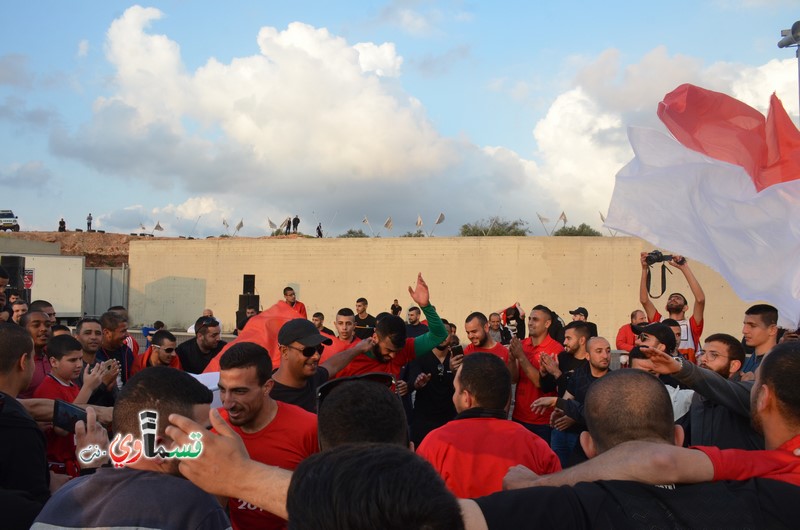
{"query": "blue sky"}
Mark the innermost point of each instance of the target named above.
(188, 113)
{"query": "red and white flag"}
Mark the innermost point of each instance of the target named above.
(726, 193)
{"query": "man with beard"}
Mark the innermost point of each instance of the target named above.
(162, 352)
(720, 411)
(557, 373)
(297, 378)
(134, 496)
(274, 433)
(526, 371)
(572, 403)
(391, 350)
(115, 334)
(477, 328)
(38, 325)
(677, 306)
(89, 333)
(414, 328)
(195, 354)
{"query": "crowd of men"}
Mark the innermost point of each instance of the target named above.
(394, 423)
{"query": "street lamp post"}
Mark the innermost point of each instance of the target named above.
(791, 38)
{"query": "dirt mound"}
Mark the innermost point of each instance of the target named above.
(100, 250)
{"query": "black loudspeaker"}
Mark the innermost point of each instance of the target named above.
(248, 284)
(249, 300)
(15, 266)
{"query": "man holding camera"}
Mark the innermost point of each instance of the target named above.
(677, 305)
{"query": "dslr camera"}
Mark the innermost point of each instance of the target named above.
(655, 256)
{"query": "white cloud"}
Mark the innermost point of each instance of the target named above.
(83, 48)
(383, 60)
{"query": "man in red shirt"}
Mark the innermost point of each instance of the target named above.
(274, 433)
(473, 452)
(38, 325)
(526, 371)
(392, 350)
(477, 328)
(626, 336)
(290, 299)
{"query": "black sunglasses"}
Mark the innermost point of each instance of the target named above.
(382, 378)
(205, 322)
(309, 351)
(168, 350)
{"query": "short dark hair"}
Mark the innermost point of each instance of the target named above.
(644, 414)
(318, 315)
(19, 301)
(86, 320)
(162, 335)
(486, 377)
(671, 322)
(361, 411)
(15, 341)
(685, 301)
(734, 345)
(39, 305)
(25, 318)
(768, 313)
(161, 389)
(345, 312)
(394, 327)
(374, 486)
(158, 324)
(287, 290)
(245, 355)
(111, 320)
(59, 346)
(780, 371)
(118, 308)
(581, 328)
(59, 327)
(482, 320)
(362, 300)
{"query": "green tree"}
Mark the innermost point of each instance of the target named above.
(418, 233)
(582, 230)
(354, 233)
(495, 226)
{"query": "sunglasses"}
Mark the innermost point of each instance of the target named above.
(310, 351)
(168, 350)
(205, 322)
(382, 378)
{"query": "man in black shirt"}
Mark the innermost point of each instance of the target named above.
(432, 378)
(24, 477)
(365, 323)
(299, 375)
(195, 354)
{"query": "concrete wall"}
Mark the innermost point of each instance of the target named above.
(173, 280)
(10, 245)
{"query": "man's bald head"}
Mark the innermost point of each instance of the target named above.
(628, 405)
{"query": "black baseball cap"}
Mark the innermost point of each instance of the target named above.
(302, 331)
(580, 311)
(660, 331)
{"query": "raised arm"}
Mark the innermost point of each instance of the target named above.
(436, 331)
(694, 285)
(644, 296)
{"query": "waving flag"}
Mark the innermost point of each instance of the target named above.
(240, 225)
(388, 224)
(726, 193)
(272, 225)
(440, 219)
(158, 227)
(419, 220)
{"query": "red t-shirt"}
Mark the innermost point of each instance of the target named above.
(41, 369)
(298, 306)
(363, 364)
(285, 442)
(60, 449)
(473, 455)
(527, 392)
(142, 361)
(498, 349)
(625, 338)
(337, 346)
(738, 464)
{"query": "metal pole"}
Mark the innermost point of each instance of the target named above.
(798, 82)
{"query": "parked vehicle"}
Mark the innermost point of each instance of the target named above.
(8, 221)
